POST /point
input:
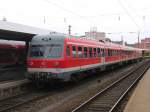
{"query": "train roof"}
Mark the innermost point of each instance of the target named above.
(8, 44)
(80, 41)
(48, 37)
(146, 50)
(85, 42)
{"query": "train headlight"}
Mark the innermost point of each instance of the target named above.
(56, 63)
(31, 63)
(43, 63)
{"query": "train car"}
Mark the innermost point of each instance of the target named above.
(11, 53)
(60, 57)
(146, 53)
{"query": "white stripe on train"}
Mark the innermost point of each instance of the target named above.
(62, 70)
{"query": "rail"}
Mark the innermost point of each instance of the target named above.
(108, 99)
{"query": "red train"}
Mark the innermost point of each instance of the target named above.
(11, 53)
(56, 56)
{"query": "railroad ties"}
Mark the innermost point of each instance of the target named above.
(12, 88)
(108, 99)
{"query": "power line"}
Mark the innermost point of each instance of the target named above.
(62, 8)
(66, 10)
(129, 6)
(130, 16)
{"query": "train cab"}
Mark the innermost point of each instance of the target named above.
(45, 57)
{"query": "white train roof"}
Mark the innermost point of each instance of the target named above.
(12, 42)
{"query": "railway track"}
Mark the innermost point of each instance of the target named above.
(109, 98)
(9, 74)
(11, 68)
(10, 89)
(11, 103)
(6, 105)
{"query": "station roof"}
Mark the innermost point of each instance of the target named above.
(19, 32)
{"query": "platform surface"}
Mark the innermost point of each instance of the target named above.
(13, 84)
(140, 99)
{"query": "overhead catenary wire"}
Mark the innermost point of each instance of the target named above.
(67, 10)
(129, 15)
(87, 17)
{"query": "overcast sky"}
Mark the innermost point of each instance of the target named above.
(116, 17)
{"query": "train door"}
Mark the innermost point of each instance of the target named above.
(68, 56)
(80, 56)
(99, 55)
(103, 59)
(103, 56)
(85, 59)
(75, 62)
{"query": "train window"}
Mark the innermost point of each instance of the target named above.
(74, 51)
(50, 51)
(37, 51)
(80, 52)
(67, 51)
(106, 52)
(103, 53)
(85, 52)
(109, 52)
(118, 53)
(98, 52)
(53, 51)
(90, 52)
(94, 52)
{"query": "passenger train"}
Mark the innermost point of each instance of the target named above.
(65, 58)
(12, 53)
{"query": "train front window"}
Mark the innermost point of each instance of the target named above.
(54, 51)
(49, 51)
(37, 51)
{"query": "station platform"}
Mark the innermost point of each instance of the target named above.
(140, 99)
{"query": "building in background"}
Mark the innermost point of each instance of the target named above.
(145, 44)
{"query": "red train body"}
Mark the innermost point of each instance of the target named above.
(11, 53)
(57, 56)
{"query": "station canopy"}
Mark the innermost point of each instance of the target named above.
(19, 32)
